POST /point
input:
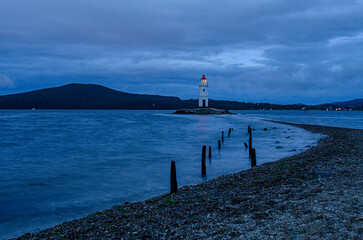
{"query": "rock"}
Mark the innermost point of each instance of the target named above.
(322, 173)
(203, 111)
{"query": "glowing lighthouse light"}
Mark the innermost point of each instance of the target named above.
(203, 92)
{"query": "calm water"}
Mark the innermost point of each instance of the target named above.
(61, 165)
(345, 119)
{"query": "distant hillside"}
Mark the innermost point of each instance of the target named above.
(85, 96)
(350, 103)
(356, 104)
(92, 96)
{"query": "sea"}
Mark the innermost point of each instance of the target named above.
(59, 165)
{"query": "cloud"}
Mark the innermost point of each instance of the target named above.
(293, 83)
(145, 47)
(346, 39)
(6, 82)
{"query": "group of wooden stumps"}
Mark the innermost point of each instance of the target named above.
(252, 155)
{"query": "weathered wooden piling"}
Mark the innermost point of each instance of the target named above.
(250, 140)
(210, 152)
(219, 144)
(204, 171)
(222, 136)
(246, 146)
(250, 145)
(229, 132)
(253, 157)
(173, 183)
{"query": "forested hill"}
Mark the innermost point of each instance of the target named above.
(85, 96)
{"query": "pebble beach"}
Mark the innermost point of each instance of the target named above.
(316, 194)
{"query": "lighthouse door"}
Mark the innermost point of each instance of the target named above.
(204, 103)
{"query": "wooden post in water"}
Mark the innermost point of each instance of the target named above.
(219, 144)
(250, 140)
(250, 145)
(229, 132)
(210, 152)
(173, 183)
(204, 150)
(253, 157)
(222, 136)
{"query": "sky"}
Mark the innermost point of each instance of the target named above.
(280, 51)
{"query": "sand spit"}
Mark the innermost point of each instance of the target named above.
(214, 111)
(316, 194)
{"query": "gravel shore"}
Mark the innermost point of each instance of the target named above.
(316, 194)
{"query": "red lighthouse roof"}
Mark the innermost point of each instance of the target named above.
(203, 78)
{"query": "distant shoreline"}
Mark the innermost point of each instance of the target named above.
(115, 109)
(314, 194)
(93, 96)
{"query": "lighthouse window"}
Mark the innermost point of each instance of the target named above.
(203, 90)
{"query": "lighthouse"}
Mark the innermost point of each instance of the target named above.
(203, 92)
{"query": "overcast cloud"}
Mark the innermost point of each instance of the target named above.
(279, 51)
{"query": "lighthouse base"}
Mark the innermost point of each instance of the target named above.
(203, 111)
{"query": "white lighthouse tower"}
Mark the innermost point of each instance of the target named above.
(203, 92)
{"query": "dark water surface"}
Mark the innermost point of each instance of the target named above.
(345, 119)
(61, 165)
